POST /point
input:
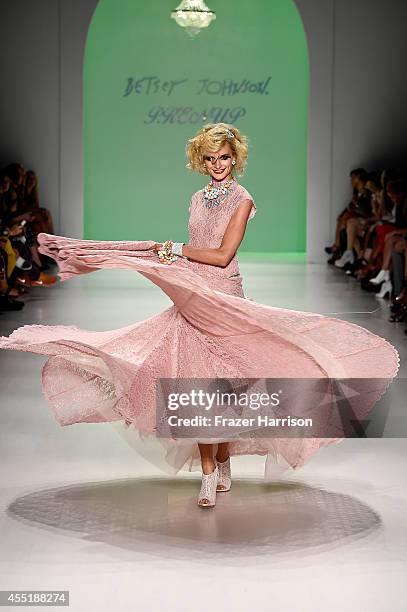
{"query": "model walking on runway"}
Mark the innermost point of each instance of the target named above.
(218, 217)
(210, 331)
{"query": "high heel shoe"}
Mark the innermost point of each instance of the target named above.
(386, 288)
(23, 280)
(45, 280)
(347, 257)
(384, 275)
(398, 300)
(400, 315)
(207, 493)
(225, 480)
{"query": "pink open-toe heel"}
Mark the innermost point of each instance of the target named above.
(207, 494)
(225, 479)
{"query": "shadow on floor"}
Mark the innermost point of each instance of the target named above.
(160, 516)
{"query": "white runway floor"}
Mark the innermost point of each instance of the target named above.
(82, 511)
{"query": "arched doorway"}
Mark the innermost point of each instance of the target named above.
(148, 87)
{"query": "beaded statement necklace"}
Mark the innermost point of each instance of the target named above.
(213, 196)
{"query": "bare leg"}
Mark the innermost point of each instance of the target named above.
(340, 225)
(353, 227)
(403, 249)
(223, 451)
(207, 460)
(341, 222)
(367, 253)
(388, 248)
(366, 250)
(210, 475)
(389, 243)
(35, 256)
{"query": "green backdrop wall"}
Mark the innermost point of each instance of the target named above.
(148, 87)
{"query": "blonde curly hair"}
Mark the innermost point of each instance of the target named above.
(210, 138)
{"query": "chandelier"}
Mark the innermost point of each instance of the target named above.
(193, 15)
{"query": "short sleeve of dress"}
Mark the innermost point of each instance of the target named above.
(253, 210)
(245, 195)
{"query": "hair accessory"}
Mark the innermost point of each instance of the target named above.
(227, 132)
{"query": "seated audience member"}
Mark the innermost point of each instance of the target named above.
(17, 228)
(9, 289)
(43, 219)
(6, 302)
(399, 301)
(388, 216)
(16, 173)
(358, 223)
(8, 260)
(346, 214)
(14, 203)
(25, 185)
(8, 199)
(395, 239)
(399, 280)
(383, 211)
(370, 262)
(13, 199)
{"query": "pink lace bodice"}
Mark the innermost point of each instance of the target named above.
(207, 226)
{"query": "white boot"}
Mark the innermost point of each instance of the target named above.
(207, 493)
(347, 257)
(384, 275)
(386, 288)
(225, 477)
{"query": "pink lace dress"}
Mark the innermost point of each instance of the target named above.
(210, 331)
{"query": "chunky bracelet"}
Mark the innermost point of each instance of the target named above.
(177, 248)
(166, 255)
(170, 251)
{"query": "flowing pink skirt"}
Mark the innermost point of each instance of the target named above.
(210, 331)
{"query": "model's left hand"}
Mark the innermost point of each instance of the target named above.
(156, 247)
